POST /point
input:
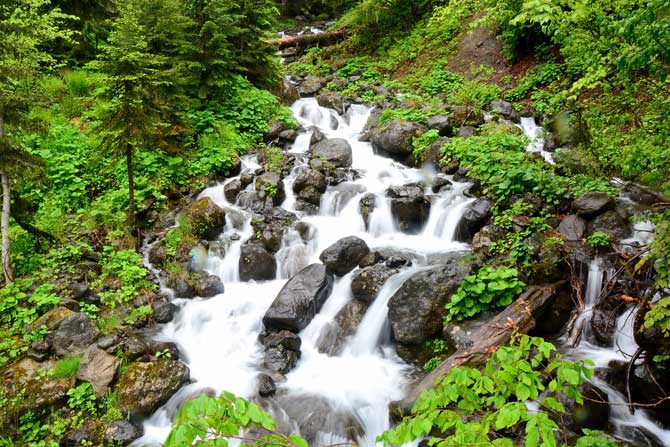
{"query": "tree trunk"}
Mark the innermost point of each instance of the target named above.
(131, 187)
(521, 316)
(4, 229)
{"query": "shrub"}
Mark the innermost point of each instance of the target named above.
(489, 288)
(65, 368)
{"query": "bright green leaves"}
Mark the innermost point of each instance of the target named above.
(659, 316)
(471, 407)
(488, 289)
(421, 143)
(211, 422)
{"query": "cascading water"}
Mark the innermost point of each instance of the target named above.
(535, 134)
(218, 337)
(626, 424)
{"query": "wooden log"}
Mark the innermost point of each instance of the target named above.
(520, 316)
(309, 40)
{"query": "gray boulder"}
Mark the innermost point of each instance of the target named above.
(331, 153)
(416, 310)
(98, 368)
(309, 185)
(409, 207)
(280, 360)
(311, 86)
(205, 218)
(75, 334)
(367, 282)
(344, 255)
(299, 300)
(474, 218)
(395, 137)
(273, 185)
(505, 109)
(163, 311)
(209, 286)
(122, 432)
(332, 100)
(593, 204)
(441, 123)
(256, 263)
(572, 227)
(232, 189)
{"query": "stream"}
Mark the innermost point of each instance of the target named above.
(343, 396)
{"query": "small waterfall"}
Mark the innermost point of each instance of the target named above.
(381, 219)
(293, 256)
(373, 331)
(622, 350)
(536, 135)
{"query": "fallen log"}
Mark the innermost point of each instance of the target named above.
(309, 40)
(521, 316)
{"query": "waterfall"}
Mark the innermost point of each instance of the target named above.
(218, 337)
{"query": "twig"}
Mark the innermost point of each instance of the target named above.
(630, 368)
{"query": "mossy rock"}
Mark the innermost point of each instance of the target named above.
(204, 219)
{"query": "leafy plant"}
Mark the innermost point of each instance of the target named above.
(473, 407)
(598, 239)
(414, 115)
(424, 141)
(82, 398)
(659, 316)
(489, 288)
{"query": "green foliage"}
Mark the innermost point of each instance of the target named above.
(438, 347)
(659, 316)
(488, 289)
(274, 159)
(598, 239)
(124, 275)
(422, 143)
(414, 115)
(473, 407)
(213, 420)
(537, 76)
(65, 367)
(82, 398)
(514, 242)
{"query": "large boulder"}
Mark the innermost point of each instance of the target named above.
(205, 218)
(209, 286)
(309, 185)
(98, 368)
(474, 218)
(394, 138)
(331, 153)
(442, 123)
(416, 310)
(572, 227)
(344, 255)
(280, 360)
(122, 432)
(146, 386)
(367, 282)
(409, 207)
(311, 85)
(467, 116)
(75, 334)
(53, 318)
(273, 185)
(333, 100)
(505, 109)
(299, 300)
(232, 189)
(256, 263)
(612, 224)
(593, 204)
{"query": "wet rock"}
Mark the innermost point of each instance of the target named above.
(474, 218)
(317, 137)
(86, 434)
(232, 189)
(107, 341)
(209, 286)
(137, 346)
(311, 86)
(395, 262)
(289, 92)
(344, 255)
(276, 127)
(416, 310)
(299, 300)
(75, 333)
(505, 109)
(593, 204)
(246, 178)
(205, 218)
(180, 287)
(409, 207)
(395, 137)
(333, 100)
(256, 263)
(280, 360)
(158, 254)
(349, 318)
(467, 116)
(272, 184)
(466, 132)
(331, 153)
(266, 385)
(441, 183)
(163, 311)
(366, 206)
(592, 414)
(367, 282)
(123, 432)
(572, 228)
(283, 340)
(147, 386)
(370, 259)
(288, 135)
(309, 186)
(441, 123)
(98, 368)
(82, 292)
(612, 224)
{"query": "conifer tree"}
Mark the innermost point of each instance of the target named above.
(146, 63)
(25, 27)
